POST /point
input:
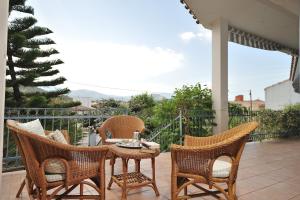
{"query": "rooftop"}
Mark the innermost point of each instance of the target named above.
(267, 171)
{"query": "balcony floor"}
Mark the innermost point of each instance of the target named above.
(268, 170)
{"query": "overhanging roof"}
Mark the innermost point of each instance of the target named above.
(263, 18)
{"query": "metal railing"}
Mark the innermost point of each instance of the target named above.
(196, 124)
(76, 121)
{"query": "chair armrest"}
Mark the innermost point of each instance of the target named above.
(101, 131)
(201, 141)
(49, 148)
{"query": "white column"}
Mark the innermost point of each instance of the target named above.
(3, 46)
(220, 74)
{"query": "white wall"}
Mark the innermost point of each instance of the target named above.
(280, 95)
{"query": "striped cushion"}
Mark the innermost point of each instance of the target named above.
(55, 177)
(57, 136)
(221, 169)
(55, 166)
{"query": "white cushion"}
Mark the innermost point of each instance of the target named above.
(56, 166)
(221, 169)
(34, 126)
(55, 177)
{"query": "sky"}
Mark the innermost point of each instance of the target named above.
(128, 47)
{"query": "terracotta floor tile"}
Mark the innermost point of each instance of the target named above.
(268, 171)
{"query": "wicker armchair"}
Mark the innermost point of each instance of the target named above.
(194, 163)
(80, 163)
(121, 126)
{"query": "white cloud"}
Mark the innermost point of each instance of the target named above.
(187, 36)
(117, 65)
(201, 34)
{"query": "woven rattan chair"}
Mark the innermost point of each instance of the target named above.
(80, 163)
(193, 163)
(121, 126)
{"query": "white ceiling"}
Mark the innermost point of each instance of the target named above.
(272, 19)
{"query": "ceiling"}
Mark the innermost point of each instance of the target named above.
(276, 20)
(290, 5)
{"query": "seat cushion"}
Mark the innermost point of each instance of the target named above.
(34, 126)
(221, 169)
(55, 177)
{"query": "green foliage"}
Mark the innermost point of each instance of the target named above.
(193, 98)
(37, 102)
(291, 119)
(26, 45)
(236, 109)
(284, 123)
(164, 111)
(143, 106)
(193, 101)
(142, 103)
(111, 103)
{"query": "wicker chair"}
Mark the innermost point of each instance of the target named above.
(80, 163)
(193, 163)
(121, 126)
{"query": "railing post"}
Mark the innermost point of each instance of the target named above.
(180, 126)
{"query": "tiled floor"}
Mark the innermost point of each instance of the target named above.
(268, 171)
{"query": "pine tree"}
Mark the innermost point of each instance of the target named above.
(29, 61)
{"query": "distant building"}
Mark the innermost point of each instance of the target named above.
(256, 104)
(280, 95)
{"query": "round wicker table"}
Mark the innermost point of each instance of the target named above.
(134, 179)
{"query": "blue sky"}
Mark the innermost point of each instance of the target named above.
(143, 45)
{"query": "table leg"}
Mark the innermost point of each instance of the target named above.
(153, 177)
(112, 162)
(137, 165)
(125, 171)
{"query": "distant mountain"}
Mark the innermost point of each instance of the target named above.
(161, 96)
(93, 95)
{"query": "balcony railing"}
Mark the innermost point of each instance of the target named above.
(77, 121)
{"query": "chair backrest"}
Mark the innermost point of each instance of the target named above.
(121, 126)
(23, 141)
(229, 143)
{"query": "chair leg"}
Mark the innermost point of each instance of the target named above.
(234, 191)
(112, 163)
(173, 187)
(81, 191)
(185, 191)
(21, 189)
(137, 165)
(231, 191)
(43, 194)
